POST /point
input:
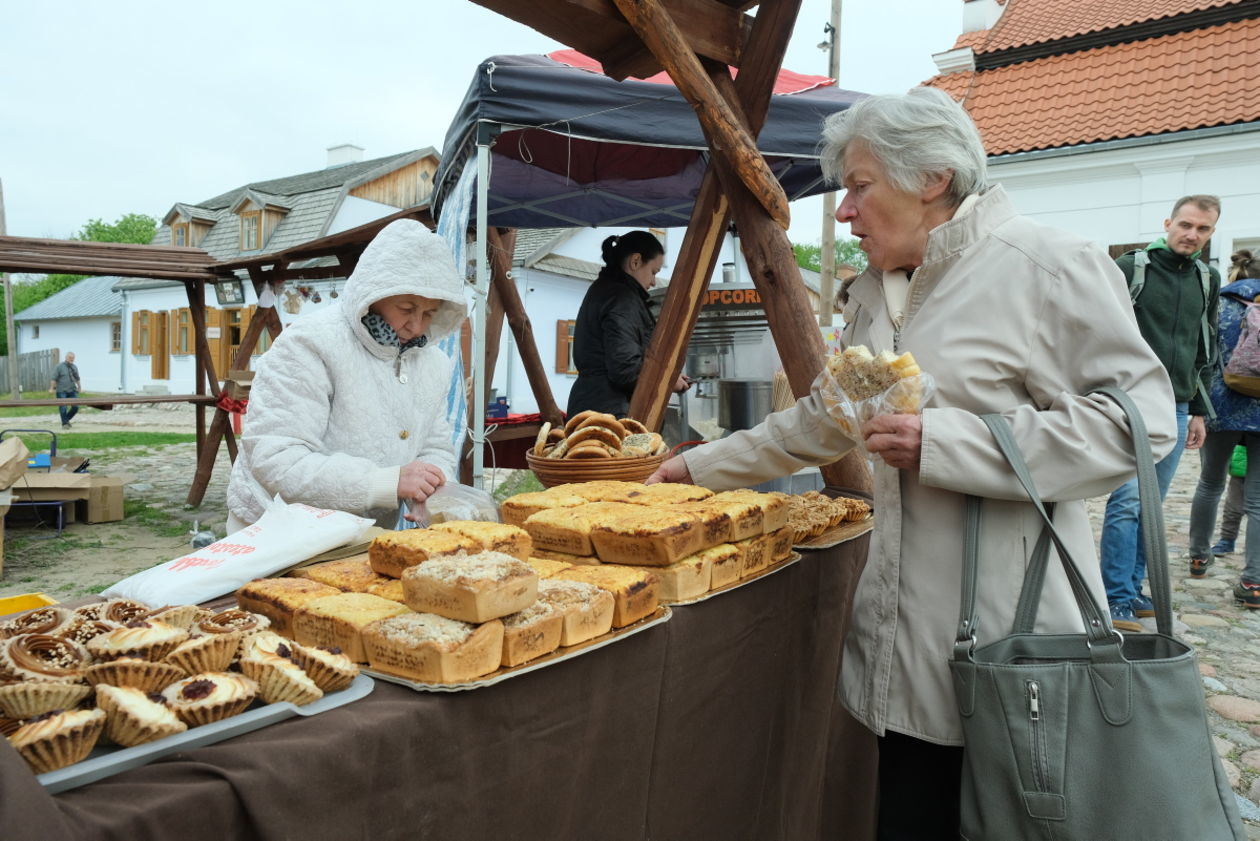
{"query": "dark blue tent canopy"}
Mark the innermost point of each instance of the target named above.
(573, 148)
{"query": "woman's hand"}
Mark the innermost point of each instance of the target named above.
(897, 439)
(418, 480)
(681, 384)
(672, 470)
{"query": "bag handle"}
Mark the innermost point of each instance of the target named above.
(1097, 628)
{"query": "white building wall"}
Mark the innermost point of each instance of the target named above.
(1123, 195)
(86, 338)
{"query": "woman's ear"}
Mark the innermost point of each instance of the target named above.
(937, 184)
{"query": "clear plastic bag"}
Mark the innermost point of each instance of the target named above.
(906, 396)
(453, 501)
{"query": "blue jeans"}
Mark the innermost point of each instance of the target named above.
(1123, 560)
(67, 412)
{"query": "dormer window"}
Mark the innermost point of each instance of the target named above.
(179, 234)
(250, 225)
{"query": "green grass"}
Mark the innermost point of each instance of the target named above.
(156, 520)
(100, 441)
(28, 411)
(522, 481)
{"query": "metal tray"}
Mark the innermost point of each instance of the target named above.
(837, 535)
(735, 585)
(657, 617)
(107, 760)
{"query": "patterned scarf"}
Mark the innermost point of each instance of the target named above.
(385, 335)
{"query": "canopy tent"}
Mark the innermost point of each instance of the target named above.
(541, 143)
(575, 148)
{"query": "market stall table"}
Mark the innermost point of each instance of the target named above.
(721, 723)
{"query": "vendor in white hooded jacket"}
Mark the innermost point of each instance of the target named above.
(348, 408)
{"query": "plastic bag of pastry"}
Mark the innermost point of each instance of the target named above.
(453, 501)
(857, 386)
(286, 534)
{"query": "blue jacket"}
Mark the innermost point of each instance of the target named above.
(1234, 412)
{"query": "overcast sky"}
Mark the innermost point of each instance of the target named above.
(130, 106)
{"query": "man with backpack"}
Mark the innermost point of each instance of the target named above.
(1175, 300)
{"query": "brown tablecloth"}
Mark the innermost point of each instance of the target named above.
(720, 724)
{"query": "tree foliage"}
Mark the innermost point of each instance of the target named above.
(848, 252)
(133, 227)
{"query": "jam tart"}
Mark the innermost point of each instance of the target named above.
(210, 696)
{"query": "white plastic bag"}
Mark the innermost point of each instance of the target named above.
(285, 534)
(453, 501)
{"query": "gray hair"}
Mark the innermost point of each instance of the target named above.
(914, 136)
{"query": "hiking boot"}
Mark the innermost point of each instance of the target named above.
(1142, 605)
(1123, 618)
(1247, 594)
(1199, 566)
(1223, 547)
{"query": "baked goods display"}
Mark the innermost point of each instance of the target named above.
(336, 621)
(858, 385)
(153, 674)
(531, 633)
(391, 553)
(587, 610)
(279, 598)
(433, 649)
(596, 435)
(492, 537)
(635, 591)
(516, 509)
(812, 513)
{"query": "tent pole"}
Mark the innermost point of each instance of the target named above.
(485, 134)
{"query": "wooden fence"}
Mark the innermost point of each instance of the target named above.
(35, 370)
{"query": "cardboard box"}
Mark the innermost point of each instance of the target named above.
(97, 499)
(104, 502)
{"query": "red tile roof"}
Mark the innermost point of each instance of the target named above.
(1205, 77)
(1026, 22)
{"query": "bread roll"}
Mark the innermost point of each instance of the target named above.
(393, 552)
(336, 621)
(472, 588)
(433, 649)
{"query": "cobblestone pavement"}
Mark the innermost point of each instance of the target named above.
(1225, 634)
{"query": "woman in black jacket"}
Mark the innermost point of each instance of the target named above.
(614, 325)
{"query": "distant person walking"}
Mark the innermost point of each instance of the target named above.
(65, 383)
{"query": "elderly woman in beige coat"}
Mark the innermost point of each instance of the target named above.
(1009, 316)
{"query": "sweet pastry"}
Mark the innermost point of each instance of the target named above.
(143, 638)
(280, 679)
(266, 642)
(433, 649)
(647, 536)
(545, 567)
(565, 558)
(133, 672)
(210, 696)
(724, 564)
(233, 621)
(58, 739)
(745, 515)
(350, 575)
(28, 699)
(42, 620)
(44, 658)
(636, 592)
(391, 553)
(587, 609)
(336, 621)
(669, 493)
(493, 537)
(774, 506)
(179, 615)
(781, 543)
(81, 629)
(123, 611)
(328, 667)
(686, 579)
(568, 530)
(390, 588)
(531, 633)
(471, 588)
(279, 598)
(516, 509)
(861, 375)
(632, 426)
(206, 653)
(714, 520)
(133, 717)
(606, 490)
(755, 555)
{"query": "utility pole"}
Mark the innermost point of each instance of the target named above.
(827, 272)
(10, 336)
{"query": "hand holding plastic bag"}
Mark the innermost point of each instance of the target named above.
(857, 386)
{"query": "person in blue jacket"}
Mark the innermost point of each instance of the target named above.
(1237, 422)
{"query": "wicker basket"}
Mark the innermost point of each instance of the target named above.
(561, 471)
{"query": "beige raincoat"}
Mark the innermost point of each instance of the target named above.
(1008, 316)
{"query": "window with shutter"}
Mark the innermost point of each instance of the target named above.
(564, 346)
(141, 344)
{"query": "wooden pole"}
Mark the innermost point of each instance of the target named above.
(205, 373)
(523, 332)
(723, 126)
(501, 247)
(827, 271)
(15, 387)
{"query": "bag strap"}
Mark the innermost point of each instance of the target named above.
(1140, 261)
(1098, 629)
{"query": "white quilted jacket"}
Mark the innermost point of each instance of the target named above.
(332, 414)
